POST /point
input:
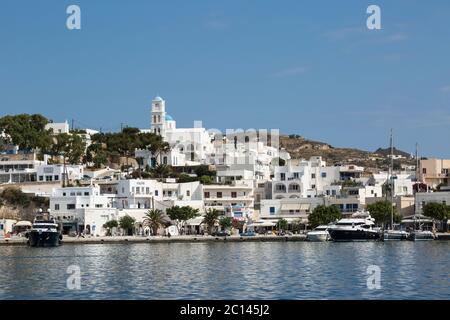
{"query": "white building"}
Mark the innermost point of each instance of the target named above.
(58, 127)
(195, 143)
(139, 194)
(305, 179)
(422, 198)
(55, 172)
(403, 182)
(69, 205)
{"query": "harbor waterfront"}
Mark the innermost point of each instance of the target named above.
(186, 239)
(248, 270)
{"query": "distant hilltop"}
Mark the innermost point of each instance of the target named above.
(300, 147)
(387, 151)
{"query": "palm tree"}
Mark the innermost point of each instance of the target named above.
(154, 219)
(161, 171)
(210, 219)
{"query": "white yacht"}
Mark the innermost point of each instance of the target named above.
(395, 235)
(359, 227)
(421, 235)
(319, 234)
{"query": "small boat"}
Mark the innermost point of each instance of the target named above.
(389, 235)
(319, 234)
(421, 235)
(44, 233)
(359, 227)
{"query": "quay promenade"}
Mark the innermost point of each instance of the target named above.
(180, 239)
(161, 239)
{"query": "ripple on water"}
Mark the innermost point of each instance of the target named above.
(297, 270)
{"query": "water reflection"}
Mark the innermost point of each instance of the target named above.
(228, 271)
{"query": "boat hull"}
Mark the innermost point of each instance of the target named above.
(395, 236)
(43, 239)
(421, 236)
(317, 236)
(353, 235)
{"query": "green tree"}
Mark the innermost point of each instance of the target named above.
(127, 224)
(109, 225)
(225, 223)
(75, 149)
(381, 212)
(161, 171)
(282, 224)
(15, 197)
(26, 131)
(203, 170)
(437, 211)
(181, 215)
(206, 180)
(210, 218)
(154, 219)
(323, 215)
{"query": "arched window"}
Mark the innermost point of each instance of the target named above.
(294, 187)
(280, 188)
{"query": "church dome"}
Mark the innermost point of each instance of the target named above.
(169, 117)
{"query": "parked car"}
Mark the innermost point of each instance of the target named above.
(248, 234)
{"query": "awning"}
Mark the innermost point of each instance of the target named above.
(290, 206)
(295, 206)
(23, 224)
(261, 224)
(305, 206)
(194, 222)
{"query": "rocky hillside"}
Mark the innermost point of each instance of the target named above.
(299, 147)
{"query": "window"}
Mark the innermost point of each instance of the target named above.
(56, 178)
(323, 174)
(99, 206)
(41, 178)
(296, 175)
(147, 190)
(313, 175)
(282, 176)
(72, 194)
(48, 178)
(219, 194)
(86, 193)
(313, 186)
(424, 170)
(156, 192)
(234, 194)
(207, 195)
(79, 193)
(56, 207)
(272, 210)
(132, 189)
(188, 193)
(70, 206)
(64, 194)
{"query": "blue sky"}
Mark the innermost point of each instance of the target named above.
(305, 67)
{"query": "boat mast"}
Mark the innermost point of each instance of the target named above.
(391, 169)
